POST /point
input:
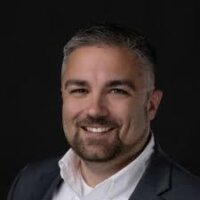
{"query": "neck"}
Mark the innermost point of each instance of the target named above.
(94, 172)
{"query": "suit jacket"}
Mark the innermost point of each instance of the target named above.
(163, 180)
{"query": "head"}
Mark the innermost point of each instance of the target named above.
(108, 91)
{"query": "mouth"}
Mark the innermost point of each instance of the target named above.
(97, 129)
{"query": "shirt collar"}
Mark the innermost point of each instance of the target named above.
(121, 183)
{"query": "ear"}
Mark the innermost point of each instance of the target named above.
(154, 102)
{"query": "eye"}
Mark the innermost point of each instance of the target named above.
(78, 91)
(119, 91)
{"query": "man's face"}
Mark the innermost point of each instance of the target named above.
(107, 103)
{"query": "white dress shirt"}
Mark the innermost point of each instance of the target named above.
(119, 186)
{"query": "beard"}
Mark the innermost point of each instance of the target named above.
(100, 149)
(96, 150)
(103, 147)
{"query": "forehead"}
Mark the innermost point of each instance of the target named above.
(102, 60)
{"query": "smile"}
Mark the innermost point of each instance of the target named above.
(97, 129)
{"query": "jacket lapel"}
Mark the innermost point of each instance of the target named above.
(156, 179)
(53, 187)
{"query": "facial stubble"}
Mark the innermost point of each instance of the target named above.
(97, 150)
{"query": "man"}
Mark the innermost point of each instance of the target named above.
(109, 99)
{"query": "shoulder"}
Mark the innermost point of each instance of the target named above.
(184, 180)
(179, 174)
(182, 183)
(38, 169)
(34, 179)
(43, 166)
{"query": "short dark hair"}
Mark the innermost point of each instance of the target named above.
(114, 35)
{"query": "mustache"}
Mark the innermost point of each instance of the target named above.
(97, 120)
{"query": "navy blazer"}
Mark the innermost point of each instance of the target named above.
(162, 180)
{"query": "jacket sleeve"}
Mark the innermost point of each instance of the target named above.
(16, 187)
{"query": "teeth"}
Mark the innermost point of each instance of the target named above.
(97, 130)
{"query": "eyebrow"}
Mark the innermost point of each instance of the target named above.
(75, 82)
(126, 83)
(113, 83)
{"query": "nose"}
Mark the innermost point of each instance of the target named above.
(97, 106)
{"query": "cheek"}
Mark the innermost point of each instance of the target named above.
(134, 120)
(126, 110)
(124, 113)
(69, 112)
(70, 109)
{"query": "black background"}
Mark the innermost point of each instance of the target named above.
(33, 36)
